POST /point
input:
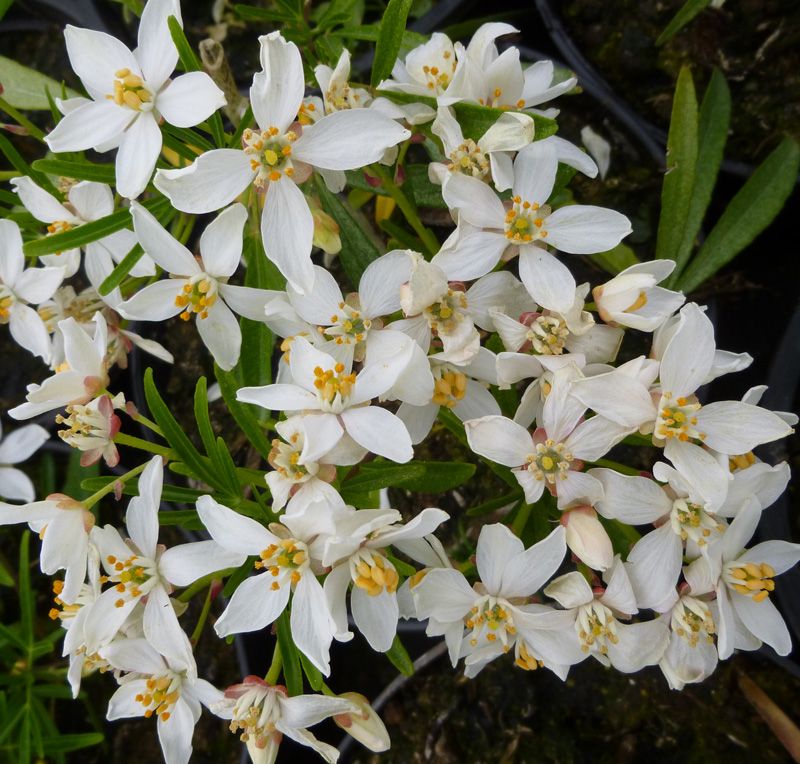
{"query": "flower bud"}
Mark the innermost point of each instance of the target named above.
(365, 727)
(587, 538)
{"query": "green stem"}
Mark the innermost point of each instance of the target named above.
(8, 174)
(124, 439)
(328, 691)
(149, 423)
(521, 520)
(407, 207)
(275, 667)
(202, 583)
(95, 497)
(201, 622)
(623, 468)
(21, 120)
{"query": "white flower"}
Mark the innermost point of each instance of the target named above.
(86, 201)
(198, 288)
(129, 93)
(156, 686)
(553, 456)
(632, 298)
(18, 287)
(494, 611)
(530, 224)
(428, 69)
(598, 632)
(691, 655)
(91, 429)
(141, 570)
(337, 93)
(462, 388)
(487, 157)
(287, 557)
(743, 580)
(64, 525)
(79, 379)
(354, 551)
(675, 416)
(279, 155)
(305, 480)
(15, 448)
(264, 713)
(328, 391)
(434, 306)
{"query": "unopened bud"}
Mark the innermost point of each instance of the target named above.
(587, 538)
(366, 727)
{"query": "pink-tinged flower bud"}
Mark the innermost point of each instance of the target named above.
(587, 538)
(365, 727)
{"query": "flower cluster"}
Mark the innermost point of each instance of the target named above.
(489, 329)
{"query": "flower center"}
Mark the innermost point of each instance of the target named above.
(741, 461)
(676, 419)
(525, 660)
(373, 573)
(445, 314)
(133, 577)
(547, 335)
(161, 695)
(525, 221)
(58, 226)
(490, 619)
(285, 458)
(550, 461)
(62, 611)
(438, 76)
(449, 386)
(85, 426)
(692, 620)
(348, 327)
(341, 96)
(497, 101)
(286, 561)
(255, 714)
(639, 302)
(129, 90)
(596, 628)
(470, 159)
(7, 300)
(198, 295)
(751, 579)
(690, 521)
(270, 154)
(333, 385)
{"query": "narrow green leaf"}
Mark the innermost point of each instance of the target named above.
(4, 6)
(196, 142)
(422, 191)
(622, 536)
(9, 725)
(89, 232)
(390, 37)
(313, 674)
(251, 13)
(438, 477)
(290, 655)
(121, 270)
(400, 658)
(688, 11)
(74, 742)
(202, 418)
(676, 190)
(24, 744)
(615, 260)
(358, 249)
(174, 433)
(25, 88)
(255, 359)
(227, 468)
(244, 123)
(493, 504)
(177, 493)
(752, 209)
(20, 165)
(86, 170)
(26, 596)
(6, 579)
(242, 572)
(244, 413)
(370, 33)
(712, 133)
(192, 64)
(12, 637)
(375, 475)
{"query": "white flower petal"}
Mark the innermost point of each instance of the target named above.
(253, 606)
(764, 621)
(375, 617)
(137, 155)
(475, 201)
(547, 279)
(93, 124)
(280, 397)
(95, 57)
(162, 630)
(16, 486)
(499, 439)
(654, 565)
(28, 330)
(12, 261)
(36, 285)
(142, 516)
(632, 499)
(184, 564)
(39, 203)
(311, 623)
(221, 334)
(379, 288)
(189, 99)
(277, 92)
(156, 53)
(380, 432)
(166, 251)
(689, 355)
(583, 229)
(526, 572)
(155, 302)
(732, 427)
(535, 173)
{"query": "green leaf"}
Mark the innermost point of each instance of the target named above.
(290, 655)
(202, 418)
(422, 191)
(89, 232)
(121, 270)
(676, 190)
(192, 64)
(255, 360)
(688, 11)
(390, 37)
(615, 260)
(358, 249)
(371, 32)
(752, 209)
(20, 165)
(494, 504)
(6, 579)
(74, 742)
(313, 674)
(4, 6)
(400, 658)
(251, 13)
(26, 596)
(712, 133)
(227, 468)
(373, 476)
(25, 88)
(242, 572)
(438, 477)
(622, 536)
(244, 413)
(86, 170)
(176, 493)
(174, 433)
(185, 518)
